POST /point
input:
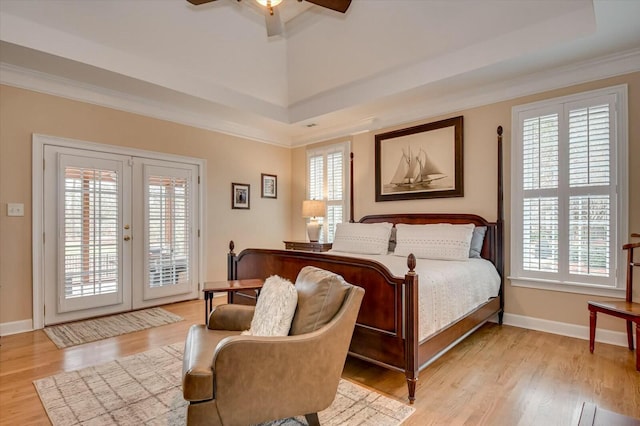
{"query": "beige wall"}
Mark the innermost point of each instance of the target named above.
(480, 165)
(229, 159)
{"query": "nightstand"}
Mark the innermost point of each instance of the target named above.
(306, 246)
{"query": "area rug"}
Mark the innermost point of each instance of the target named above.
(79, 332)
(145, 389)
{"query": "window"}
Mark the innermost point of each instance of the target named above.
(168, 229)
(90, 243)
(568, 192)
(327, 180)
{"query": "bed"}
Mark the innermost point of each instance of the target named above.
(388, 331)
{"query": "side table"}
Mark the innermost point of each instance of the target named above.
(307, 246)
(230, 287)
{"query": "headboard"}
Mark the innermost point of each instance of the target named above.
(489, 247)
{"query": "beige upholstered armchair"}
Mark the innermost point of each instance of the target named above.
(234, 379)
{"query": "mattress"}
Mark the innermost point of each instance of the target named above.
(448, 289)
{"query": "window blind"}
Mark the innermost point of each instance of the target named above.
(326, 180)
(565, 195)
(589, 170)
(169, 227)
(90, 232)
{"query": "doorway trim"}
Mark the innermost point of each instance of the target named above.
(37, 198)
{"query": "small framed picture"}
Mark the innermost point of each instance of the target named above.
(240, 195)
(269, 186)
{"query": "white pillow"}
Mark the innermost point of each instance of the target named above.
(438, 241)
(274, 309)
(362, 238)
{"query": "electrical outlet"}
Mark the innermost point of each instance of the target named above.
(15, 209)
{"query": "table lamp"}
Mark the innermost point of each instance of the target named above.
(313, 209)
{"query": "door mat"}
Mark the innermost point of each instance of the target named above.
(80, 332)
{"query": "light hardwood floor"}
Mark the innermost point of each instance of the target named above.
(500, 375)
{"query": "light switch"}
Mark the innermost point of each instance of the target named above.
(15, 209)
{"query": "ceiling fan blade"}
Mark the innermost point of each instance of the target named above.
(273, 22)
(337, 5)
(198, 2)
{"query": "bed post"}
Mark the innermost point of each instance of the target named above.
(411, 326)
(232, 272)
(500, 226)
(351, 214)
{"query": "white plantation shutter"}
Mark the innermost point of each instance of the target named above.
(540, 170)
(335, 191)
(91, 223)
(316, 177)
(170, 204)
(169, 225)
(540, 234)
(540, 152)
(589, 147)
(590, 212)
(565, 227)
(326, 180)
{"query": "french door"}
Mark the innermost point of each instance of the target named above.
(120, 232)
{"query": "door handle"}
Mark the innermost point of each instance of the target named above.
(127, 238)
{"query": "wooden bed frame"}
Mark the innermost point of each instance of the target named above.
(386, 332)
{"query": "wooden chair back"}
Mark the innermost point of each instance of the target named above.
(630, 264)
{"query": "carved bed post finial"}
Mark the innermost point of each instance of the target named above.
(411, 263)
(231, 246)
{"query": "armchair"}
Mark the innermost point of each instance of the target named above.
(233, 379)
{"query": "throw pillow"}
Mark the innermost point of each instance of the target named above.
(362, 238)
(392, 240)
(476, 241)
(274, 309)
(437, 241)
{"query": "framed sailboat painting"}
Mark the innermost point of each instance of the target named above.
(423, 161)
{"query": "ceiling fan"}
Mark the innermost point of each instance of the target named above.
(272, 16)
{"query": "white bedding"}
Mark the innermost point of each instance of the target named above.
(448, 289)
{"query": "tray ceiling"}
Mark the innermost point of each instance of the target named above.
(383, 62)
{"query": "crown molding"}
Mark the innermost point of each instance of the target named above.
(28, 79)
(596, 69)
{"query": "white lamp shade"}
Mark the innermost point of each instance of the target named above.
(313, 208)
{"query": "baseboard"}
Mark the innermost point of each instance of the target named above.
(15, 327)
(565, 329)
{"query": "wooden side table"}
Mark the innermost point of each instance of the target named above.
(307, 246)
(230, 287)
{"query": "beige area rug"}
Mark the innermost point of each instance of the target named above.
(145, 389)
(79, 332)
